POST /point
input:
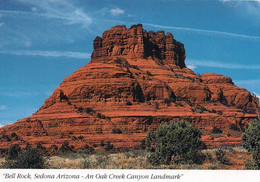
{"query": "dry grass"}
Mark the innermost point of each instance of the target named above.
(2, 160)
(137, 160)
(100, 160)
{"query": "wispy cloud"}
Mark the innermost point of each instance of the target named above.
(253, 84)
(3, 107)
(55, 9)
(257, 95)
(34, 9)
(250, 82)
(116, 11)
(207, 32)
(41, 91)
(191, 66)
(245, 7)
(216, 64)
(48, 22)
(19, 94)
(214, 33)
(70, 54)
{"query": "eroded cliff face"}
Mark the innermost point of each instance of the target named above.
(135, 81)
(136, 43)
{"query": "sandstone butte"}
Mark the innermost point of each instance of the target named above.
(135, 81)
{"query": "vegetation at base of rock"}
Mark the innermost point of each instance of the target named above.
(13, 151)
(250, 164)
(251, 141)
(26, 159)
(109, 146)
(176, 143)
(137, 159)
(221, 155)
(86, 150)
(66, 147)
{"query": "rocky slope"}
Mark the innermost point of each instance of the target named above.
(135, 81)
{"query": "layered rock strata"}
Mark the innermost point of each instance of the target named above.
(135, 81)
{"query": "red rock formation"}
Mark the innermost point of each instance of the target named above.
(135, 81)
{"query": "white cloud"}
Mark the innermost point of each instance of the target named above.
(116, 11)
(3, 107)
(1, 125)
(27, 43)
(217, 64)
(54, 9)
(257, 95)
(251, 84)
(34, 9)
(245, 7)
(70, 54)
(248, 82)
(191, 66)
(253, 8)
(207, 32)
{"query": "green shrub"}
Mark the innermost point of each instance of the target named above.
(216, 130)
(167, 101)
(89, 110)
(101, 161)
(27, 159)
(129, 103)
(251, 140)
(13, 151)
(221, 156)
(86, 164)
(5, 138)
(116, 131)
(142, 146)
(109, 146)
(175, 142)
(102, 144)
(234, 127)
(66, 147)
(86, 150)
(148, 73)
(251, 164)
(41, 148)
(101, 116)
(14, 135)
(80, 109)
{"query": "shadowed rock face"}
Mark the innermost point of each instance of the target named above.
(135, 81)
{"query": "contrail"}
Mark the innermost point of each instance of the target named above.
(215, 64)
(77, 55)
(207, 32)
(198, 31)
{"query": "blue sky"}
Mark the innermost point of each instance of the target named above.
(42, 42)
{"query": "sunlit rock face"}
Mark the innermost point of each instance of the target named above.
(135, 81)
